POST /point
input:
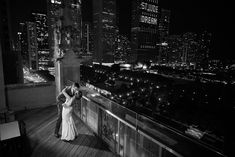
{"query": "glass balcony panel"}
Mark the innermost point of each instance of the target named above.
(146, 147)
(92, 116)
(77, 107)
(121, 139)
(84, 110)
(109, 130)
(166, 153)
(129, 141)
(124, 113)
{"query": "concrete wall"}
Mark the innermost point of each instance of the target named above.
(2, 91)
(27, 96)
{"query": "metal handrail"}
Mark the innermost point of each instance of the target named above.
(83, 84)
(136, 127)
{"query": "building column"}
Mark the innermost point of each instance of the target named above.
(68, 41)
(70, 68)
(2, 86)
(67, 71)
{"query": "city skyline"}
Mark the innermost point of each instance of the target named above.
(148, 83)
(193, 16)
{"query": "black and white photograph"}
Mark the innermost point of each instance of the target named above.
(117, 78)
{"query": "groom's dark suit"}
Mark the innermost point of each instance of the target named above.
(60, 99)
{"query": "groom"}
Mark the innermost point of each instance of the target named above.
(60, 99)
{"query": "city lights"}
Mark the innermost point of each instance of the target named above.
(156, 77)
(56, 1)
(32, 77)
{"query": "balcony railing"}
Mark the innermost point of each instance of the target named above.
(130, 134)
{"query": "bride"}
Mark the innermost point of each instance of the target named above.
(69, 130)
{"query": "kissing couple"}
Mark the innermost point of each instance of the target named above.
(65, 103)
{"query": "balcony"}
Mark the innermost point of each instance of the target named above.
(105, 128)
(128, 133)
(36, 114)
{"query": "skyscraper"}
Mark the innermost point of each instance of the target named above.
(122, 49)
(144, 29)
(44, 57)
(164, 24)
(87, 39)
(163, 28)
(32, 45)
(23, 41)
(104, 20)
(203, 54)
(172, 53)
(23, 37)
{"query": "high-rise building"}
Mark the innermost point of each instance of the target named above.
(23, 42)
(122, 49)
(189, 49)
(32, 45)
(105, 29)
(144, 29)
(44, 57)
(163, 28)
(87, 39)
(173, 52)
(164, 24)
(11, 63)
(203, 54)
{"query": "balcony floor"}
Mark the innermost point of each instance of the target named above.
(40, 125)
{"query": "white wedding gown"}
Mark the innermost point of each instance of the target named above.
(69, 130)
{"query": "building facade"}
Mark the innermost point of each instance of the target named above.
(32, 45)
(172, 53)
(144, 29)
(105, 29)
(22, 42)
(28, 46)
(164, 24)
(44, 57)
(122, 49)
(164, 29)
(188, 49)
(87, 39)
(203, 55)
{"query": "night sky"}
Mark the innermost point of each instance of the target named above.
(186, 16)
